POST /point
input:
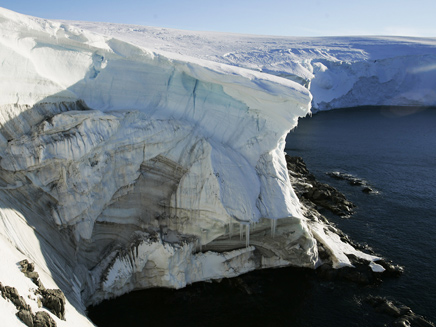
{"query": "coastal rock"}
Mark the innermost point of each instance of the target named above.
(360, 273)
(367, 189)
(402, 315)
(352, 180)
(391, 270)
(320, 194)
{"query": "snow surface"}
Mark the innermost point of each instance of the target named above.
(130, 156)
(341, 71)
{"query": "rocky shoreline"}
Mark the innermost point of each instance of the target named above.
(314, 195)
(309, 189)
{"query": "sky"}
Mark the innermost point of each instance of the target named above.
(266, 17)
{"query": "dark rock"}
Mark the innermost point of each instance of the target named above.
(419, 321)
(403, 315)
(31, 274)
(12, 294)
(400, 322)
(39, 284)
(322, 252)
(360, 273)
(354, 275)
(34, 276)
(26, 316)
(43, 319)
(404, 310)
(54, 301)
(383, 305)
(411, 320)
(320, 194)
(387, 307)
(2, 290)
(352, 180)
(298, 166)
(391, 270)
(326, 272)
(246, 284)
(329, 198)
(26, 266)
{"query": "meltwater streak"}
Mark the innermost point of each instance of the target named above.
(394, 149)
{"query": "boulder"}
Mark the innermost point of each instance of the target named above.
(54, 301)
(26, 317)
(43, 319)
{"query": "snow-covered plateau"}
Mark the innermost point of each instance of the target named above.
(135, 157)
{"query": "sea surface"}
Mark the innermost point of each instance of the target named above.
(394, 151)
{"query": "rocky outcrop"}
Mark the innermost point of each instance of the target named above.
(359, 271)
(43, 319)
(52, 299)
(352, 180)
(11, 294)
(402, 316)
(24, 313)
(321, 194)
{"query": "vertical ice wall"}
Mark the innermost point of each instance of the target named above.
(141, 160)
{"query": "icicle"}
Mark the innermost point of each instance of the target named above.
(273, 227)
(230, 227)
(247, 235)
(241, 232)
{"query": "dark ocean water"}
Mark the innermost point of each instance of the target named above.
(394, 151)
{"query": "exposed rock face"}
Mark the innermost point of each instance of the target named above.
(26, 316)
(52, 299)
(12, 294)
(43, 319)
(321, 194)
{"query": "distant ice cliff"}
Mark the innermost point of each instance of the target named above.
(340, 71)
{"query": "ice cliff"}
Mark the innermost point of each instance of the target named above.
(339, 71)
(125, 168)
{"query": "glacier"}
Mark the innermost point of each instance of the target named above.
(132, 157)
(340, 72)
